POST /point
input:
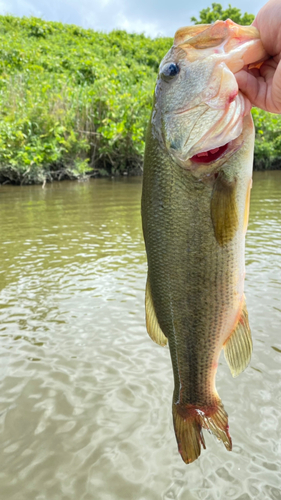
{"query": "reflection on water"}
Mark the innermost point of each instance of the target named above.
(85, 408)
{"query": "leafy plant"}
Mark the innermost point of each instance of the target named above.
(210, 15)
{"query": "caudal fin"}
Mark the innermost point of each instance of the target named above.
(189, 422)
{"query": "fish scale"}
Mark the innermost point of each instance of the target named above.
(194, 221)
(179, 277)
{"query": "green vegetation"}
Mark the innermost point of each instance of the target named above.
(210, 15)
(76, 102)
(268, 140)
(72, 101)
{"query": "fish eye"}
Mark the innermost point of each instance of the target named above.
(170, 70)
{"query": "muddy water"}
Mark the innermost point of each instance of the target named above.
(85, 396)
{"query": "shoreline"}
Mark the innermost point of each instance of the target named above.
(10, 176)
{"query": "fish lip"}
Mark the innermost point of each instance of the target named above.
(231, 148)
(202, 169)
(208, 157)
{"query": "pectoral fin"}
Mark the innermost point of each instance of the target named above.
(247, 207)
(224, 211)
(238, 347)
(152, 325)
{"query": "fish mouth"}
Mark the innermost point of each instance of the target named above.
(222, 139)
(211, 155)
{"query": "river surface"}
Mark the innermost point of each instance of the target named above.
(85, 396)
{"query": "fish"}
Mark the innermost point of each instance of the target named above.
(197, 179)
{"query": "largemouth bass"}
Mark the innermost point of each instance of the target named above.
(195, 206)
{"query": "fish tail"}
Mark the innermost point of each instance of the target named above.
(189, 421)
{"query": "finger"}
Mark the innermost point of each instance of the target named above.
(268, 24)
(254, 71)
(276, 89)
(267, 70)
(253, 88)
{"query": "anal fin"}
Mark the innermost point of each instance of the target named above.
(152, 325)
(238, 347)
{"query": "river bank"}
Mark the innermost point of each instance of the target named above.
(61, 173)
(11, 176)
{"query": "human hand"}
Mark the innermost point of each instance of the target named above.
(263, 86)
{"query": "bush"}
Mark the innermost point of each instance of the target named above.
(268, 140)
(73, 101)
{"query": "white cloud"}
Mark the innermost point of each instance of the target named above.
(137, 26)
(19, 8)
(152, 17)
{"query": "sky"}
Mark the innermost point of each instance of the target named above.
(152, 17)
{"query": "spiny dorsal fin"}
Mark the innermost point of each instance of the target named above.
(238, 347)
(152, 325)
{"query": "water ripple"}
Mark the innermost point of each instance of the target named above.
(85, 407)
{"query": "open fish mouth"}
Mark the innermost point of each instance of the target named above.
(225, 137)
(211, 155)
(211, 133)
